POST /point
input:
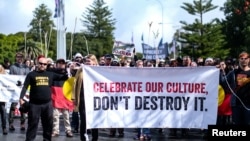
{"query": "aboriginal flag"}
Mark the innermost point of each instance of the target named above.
(62, 93)
(225, 107)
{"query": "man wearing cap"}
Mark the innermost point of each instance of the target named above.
(79, 58)
(60, 103)
(18, 68)
(209, 62)
(108, 59)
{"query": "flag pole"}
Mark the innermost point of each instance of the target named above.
(71, 42)
(61, 31)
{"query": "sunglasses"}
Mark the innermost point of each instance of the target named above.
(40, 63)
(243, 59)
(19, 56)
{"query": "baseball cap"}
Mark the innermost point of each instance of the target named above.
(78, 55)
(209, 59)
(60, 61)
(108, 56)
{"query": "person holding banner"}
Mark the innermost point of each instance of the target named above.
(112, 131)
(18, 68)
(224, 108)
(142, 133)
(79, 101)
(40, 103)
(108, 59)
(185, 62)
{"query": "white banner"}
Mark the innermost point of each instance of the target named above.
(10, 87)
(123, 49)
(150, 97)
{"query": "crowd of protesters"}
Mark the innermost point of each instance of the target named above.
(234, 78)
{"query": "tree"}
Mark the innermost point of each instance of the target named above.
(31, 48)
(99, 27)
(42, 27)
(9, 46)
(236, 25)
(202, 39)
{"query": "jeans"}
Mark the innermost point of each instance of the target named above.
(12, 114)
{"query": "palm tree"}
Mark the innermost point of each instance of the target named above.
(31, 48)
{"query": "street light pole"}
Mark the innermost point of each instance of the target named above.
(162, 22)
(161, 26)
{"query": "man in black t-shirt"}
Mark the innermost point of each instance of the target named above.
(40, 105)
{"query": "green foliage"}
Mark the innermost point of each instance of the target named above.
(202, 39)
(9, 46)
(42, 29)
(139, 55)
(99, 27)
(236, 25)
(31, 49)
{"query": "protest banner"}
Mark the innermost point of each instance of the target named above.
(10, 87)
(117, 97)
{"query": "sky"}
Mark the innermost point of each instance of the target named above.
(132, 17)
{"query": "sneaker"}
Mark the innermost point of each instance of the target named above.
(54, 134)
(5, 131)
(69, 134)
(12, 128)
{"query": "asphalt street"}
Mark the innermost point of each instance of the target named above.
(129, 134)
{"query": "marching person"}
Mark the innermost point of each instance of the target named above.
(78, 98)
(18, 68)
(40, 104)
(61, 105)
(239, 82)
(142, 133)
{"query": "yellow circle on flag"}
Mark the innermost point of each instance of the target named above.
(221, 95)
(68, 87)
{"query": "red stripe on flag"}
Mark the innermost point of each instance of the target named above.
(59, 100)
(225, 107)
